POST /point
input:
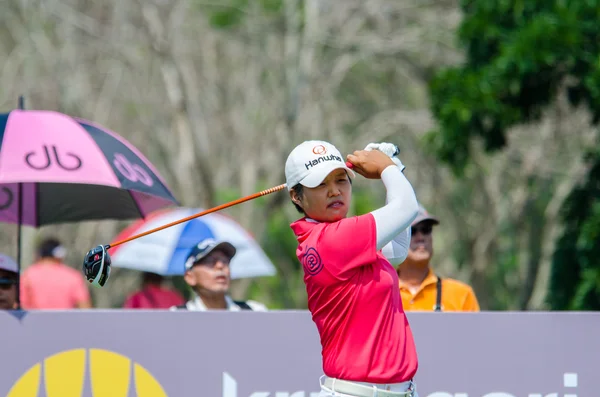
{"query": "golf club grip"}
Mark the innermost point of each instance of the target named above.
(215, 209)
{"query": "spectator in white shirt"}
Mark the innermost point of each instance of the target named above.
(207, 273)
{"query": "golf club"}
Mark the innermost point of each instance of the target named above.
(97, 270)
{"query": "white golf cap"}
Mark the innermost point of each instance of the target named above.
(310, 163)
(8, 264)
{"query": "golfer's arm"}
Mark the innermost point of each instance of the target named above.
(393, 220)
(396, 250)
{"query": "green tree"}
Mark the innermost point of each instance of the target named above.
(520, 55)
(575, 281)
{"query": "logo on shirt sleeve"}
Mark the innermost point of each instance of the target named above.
(312, 262)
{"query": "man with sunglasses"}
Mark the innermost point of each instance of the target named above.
(8, 283)
(207, 273)
(422, 289)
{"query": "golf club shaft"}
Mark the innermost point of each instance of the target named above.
(215, 209)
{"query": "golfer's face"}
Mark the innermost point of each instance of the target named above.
(421, 241)
(330, 201)
(211, 273)
(8, 290)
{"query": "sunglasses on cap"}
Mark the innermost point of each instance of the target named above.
(423, 229)
(6, 283)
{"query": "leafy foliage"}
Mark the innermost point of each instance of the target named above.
(519, 53)
(575, 280)
(229, 14)
(519, 56)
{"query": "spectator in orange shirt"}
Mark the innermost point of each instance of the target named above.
(421, 289)
(51, 284)
(153, 295)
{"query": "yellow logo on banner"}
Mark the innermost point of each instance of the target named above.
(109, 372)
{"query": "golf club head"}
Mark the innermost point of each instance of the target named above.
(96, 266)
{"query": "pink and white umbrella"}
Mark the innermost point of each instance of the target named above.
(164, 252)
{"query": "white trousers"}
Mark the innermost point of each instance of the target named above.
(398, 387)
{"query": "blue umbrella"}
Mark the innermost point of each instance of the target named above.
(164, 252)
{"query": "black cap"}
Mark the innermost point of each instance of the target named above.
(205, 247)
(52, 248)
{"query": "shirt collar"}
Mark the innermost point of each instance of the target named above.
(431, 278)
(303, 226)
(197, 305)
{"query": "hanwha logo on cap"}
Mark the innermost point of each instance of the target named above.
(319, 149)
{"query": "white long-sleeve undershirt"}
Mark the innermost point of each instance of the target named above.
(393, 220)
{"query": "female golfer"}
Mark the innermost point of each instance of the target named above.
(352, 287)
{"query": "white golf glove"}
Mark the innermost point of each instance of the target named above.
(390, 149)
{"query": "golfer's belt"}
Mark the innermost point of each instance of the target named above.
(358, 390)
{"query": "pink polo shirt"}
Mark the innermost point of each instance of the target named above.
(51, 285)
(354, 299)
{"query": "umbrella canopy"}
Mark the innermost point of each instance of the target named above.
(165, 251)
(55, 168)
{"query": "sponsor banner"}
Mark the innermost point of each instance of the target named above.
(277, 354)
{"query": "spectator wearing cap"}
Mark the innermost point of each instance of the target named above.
(423, 290)
(51, 284)
(207, 273)
(9, 274)
(153, 294)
